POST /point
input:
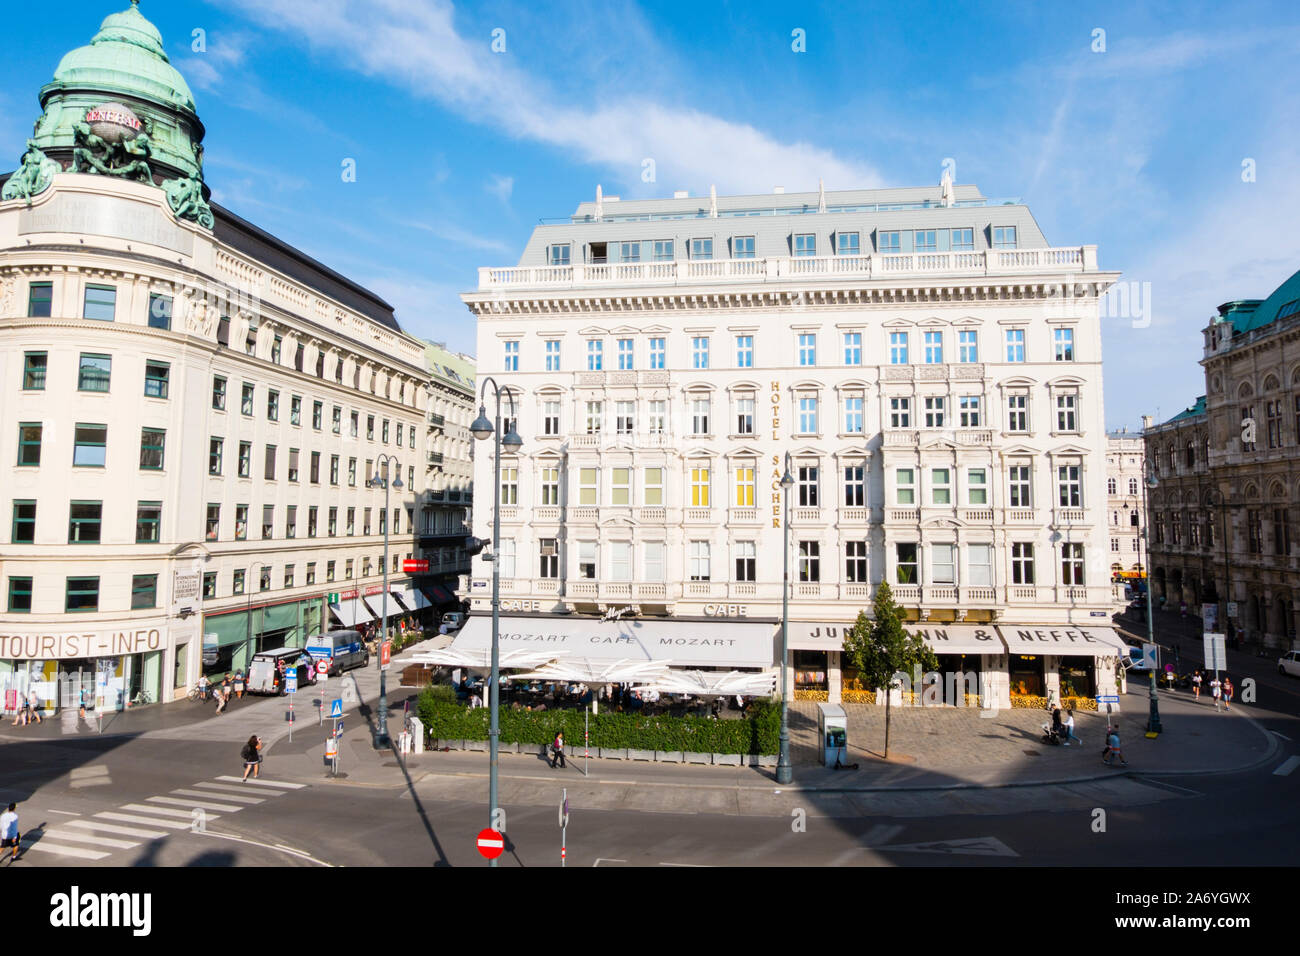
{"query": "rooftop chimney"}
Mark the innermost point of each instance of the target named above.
(1146, 422)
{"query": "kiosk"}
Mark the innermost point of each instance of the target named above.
(833, 732)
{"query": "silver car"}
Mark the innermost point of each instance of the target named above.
(1289, 663)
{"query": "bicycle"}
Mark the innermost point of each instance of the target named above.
(200, 693)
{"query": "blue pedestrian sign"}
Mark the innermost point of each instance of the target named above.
(291, 683)
(1108, 700)
(336, 708)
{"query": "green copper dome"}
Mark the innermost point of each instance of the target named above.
(126, 56)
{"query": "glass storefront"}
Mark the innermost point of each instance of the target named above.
(230, 640)
(810, 670)
(110, 683)
(1026, 671)
(1078, 677)
(959, 675)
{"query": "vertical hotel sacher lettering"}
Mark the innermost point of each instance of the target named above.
(928, 364)
(191, 407)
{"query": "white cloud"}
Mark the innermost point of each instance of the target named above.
(501, 186)
(414, 44)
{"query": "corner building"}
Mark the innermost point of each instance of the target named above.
(191, 406)
(928, 362)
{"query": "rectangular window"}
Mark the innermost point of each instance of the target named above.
(847, 244)
(595, 413)
(90, 445)
(268, 470)
(900, 413)
(968, 407)
(276, 345)
(1018, 412)
(977, 490)
(1015, 345)
(550, 484)
(509, 486)
(699, 561)
(293, 464)
(82, 595)
(336, 420)
(587, 559)
(1070, 486)
(40, 300)
(744, 351)
(853, 417)
(701, 248)
(658, 417)
(1019, 478)
(241, 522)
(626, 354)
(152, 442)
(506, 556)
(1022, 563)
(700, 416)
(746, 553)
(29, 443)
(629, 252)
(925, 240)
(370, 428)
(906, 565)
(852, 348)
(1063, 340)
(291, 521)
(979, 565)
(1004, 237)
(1072, 564)
(551, 418)
(624, 417)
(95, 373)
(700, 351)
(805, 245)
(209, 585)
(315, 468)
(808, 415)
(352, 472)
(855, 562)
(512, 356)
(237, 582)
(245, 459)
(808, 480)
(943, 568)
(549, 552)
(653, 493)
(653, 567)
(560, 254)
(897, 348)
(155, 379)
(313, 514)
(1066, 413)
(745, 487)
(968, 346)
(24, 526)
(273, 405)
(246, 400)
(657, 353)
(212, 524)
(888, 242)
(742, 247)
(160, 312)
(588, 490)
(933, 348)
(148, 522)
(552, 355)
(940, 486)
(595, 355)
(963, 240)
(700, 484)
(810, 561)
(332, 528)
(934, 411)
(144, 591)
(663, 250)
(100, 303)
(317, 414)
(264, 582)
(855, 486)
(295, 410)
(745, 416)
(905, 486)
(807, 348)
(84, 522)
(347, 569)
(34, 365)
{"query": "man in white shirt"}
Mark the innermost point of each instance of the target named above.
(9, 830)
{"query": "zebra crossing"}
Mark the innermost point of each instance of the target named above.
(131, 825)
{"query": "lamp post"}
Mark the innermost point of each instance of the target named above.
(1153, 718)
(380, 480)
(248, 605)
(482, 429)
(784, 771)
(1229, 626)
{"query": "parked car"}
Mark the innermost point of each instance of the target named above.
(1289, 663)
(266, 673)
(454, 620)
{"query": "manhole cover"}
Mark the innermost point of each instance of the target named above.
(1033, 753)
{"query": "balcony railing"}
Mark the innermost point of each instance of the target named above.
(990, 262)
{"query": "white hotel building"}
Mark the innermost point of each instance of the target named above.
(929, 363)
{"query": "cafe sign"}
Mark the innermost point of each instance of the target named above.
(58, 645)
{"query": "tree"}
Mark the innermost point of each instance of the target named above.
(879, 648)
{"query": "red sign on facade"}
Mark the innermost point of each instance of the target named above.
(415, 567)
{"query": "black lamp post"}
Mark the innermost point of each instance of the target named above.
(784, 771)
(1153, 718)
(380, 480)
(482, 429)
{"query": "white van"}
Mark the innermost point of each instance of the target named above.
(343, 649)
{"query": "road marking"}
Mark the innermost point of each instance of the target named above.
(114, 828)
(66, 813)
(606, 859)
(1283, 736)
(152, 821)
(267, 783)
(208, 795)
(687, 864)
(76, 837)
(1285, 769)
(145, 808)
(975, 846)
(226, 788)
(880, 833)
(78, 852)
(206, 805)
(267, 846)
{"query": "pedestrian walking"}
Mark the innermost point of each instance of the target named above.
(1113, 748)
(1196, 684)
(1227, 693)
(1069, 729)
(557, 750)
(252, 754)
(34, 705)
(20, 711)
(222, 699)
(239, 684)
(1216, 691)
(9, 835)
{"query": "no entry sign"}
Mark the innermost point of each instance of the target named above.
(491, 843)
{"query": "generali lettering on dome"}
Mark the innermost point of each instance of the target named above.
(108, 643)
(115, 115)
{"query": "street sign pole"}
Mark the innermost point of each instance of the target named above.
(586, 740)
(564, 825)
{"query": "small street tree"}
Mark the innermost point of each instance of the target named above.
(879, 648)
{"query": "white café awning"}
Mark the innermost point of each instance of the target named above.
(714, 683)
(1064, 640)
(958, 638)
(352, 612)
(588, 671)
(413, 598)
(480, 659)
(816, 635)
(679, 643)
(376, 604)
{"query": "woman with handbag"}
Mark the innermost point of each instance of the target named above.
(252, 754)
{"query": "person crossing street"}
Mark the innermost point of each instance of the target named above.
(557, 750)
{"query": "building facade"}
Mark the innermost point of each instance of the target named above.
(1125, 474)
(927, 366)
(1227, 497)
(449, 492)
(191, 411)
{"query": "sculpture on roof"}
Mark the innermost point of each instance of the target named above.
(33, 176)
(126, 157)
(185, 197)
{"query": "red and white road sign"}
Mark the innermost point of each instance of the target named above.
(322, 667)
(415, 567)
(385, 653)
(491, 843)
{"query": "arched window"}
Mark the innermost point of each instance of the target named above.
(1191, 455)
(1132, 486)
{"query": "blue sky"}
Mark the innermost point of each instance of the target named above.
(459, 150)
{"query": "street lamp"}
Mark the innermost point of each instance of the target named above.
(785, 772)
(380, 480)
(481, 429)
(1153, 718)
(248, 604)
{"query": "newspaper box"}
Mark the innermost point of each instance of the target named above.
(833, 732)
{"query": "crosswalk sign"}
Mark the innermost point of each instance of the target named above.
(336, 708)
